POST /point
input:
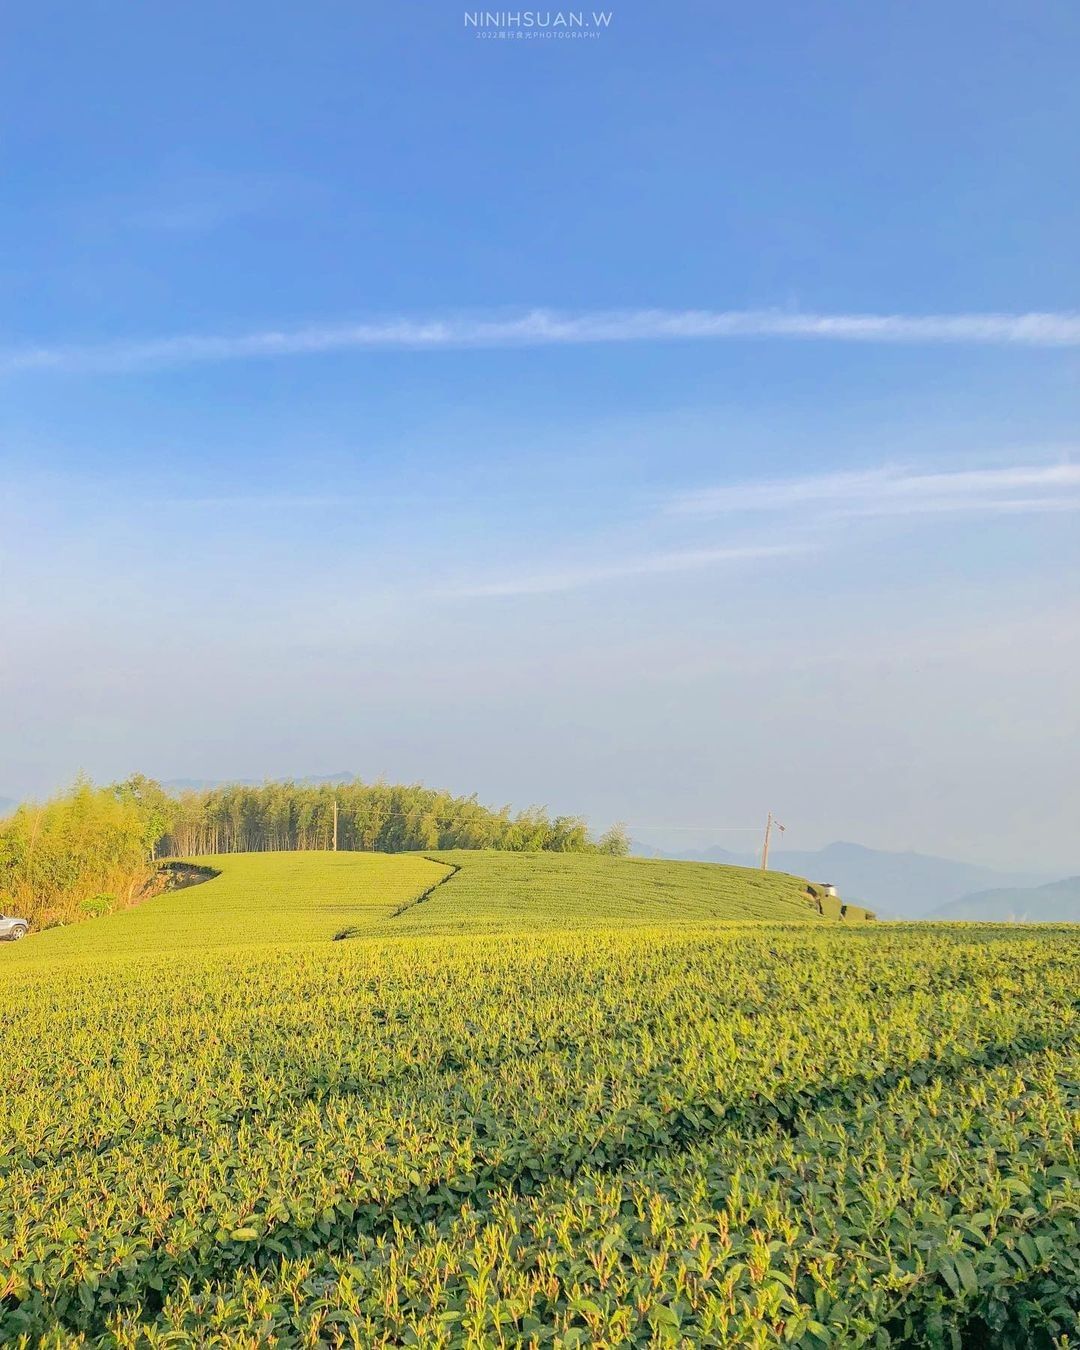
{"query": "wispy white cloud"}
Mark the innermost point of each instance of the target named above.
(1000, 506)
(890, 490)
(548, 328)
(589, 574)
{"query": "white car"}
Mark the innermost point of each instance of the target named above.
(11, 930)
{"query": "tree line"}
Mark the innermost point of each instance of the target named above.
(91, 848)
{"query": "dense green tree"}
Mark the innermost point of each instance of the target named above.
(87, 844)
(376, 817)
(95, 845)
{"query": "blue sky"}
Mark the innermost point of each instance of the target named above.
(669, 425)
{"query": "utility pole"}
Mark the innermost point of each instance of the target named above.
(335, 825)
(765, 847)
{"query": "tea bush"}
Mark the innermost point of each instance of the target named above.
(660, 1134)
(501, 891)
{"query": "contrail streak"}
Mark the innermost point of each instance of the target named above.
(540, 328)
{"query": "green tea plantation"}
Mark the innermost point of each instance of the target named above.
(484, 1099)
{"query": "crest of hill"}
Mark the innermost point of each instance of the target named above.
(501, 892)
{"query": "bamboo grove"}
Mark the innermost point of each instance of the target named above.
(371, 817)
(94, 849)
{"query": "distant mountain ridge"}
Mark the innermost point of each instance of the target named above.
(1057, 902)
(895, 885)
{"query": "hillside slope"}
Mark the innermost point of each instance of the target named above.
(498, 892)
(222, 1127)
(275, 899)
(256, 900)
(1058, 902)
(660, 1135)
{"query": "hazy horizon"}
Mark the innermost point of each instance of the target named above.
(673, 840)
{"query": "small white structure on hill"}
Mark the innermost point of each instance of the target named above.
(827, 888)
